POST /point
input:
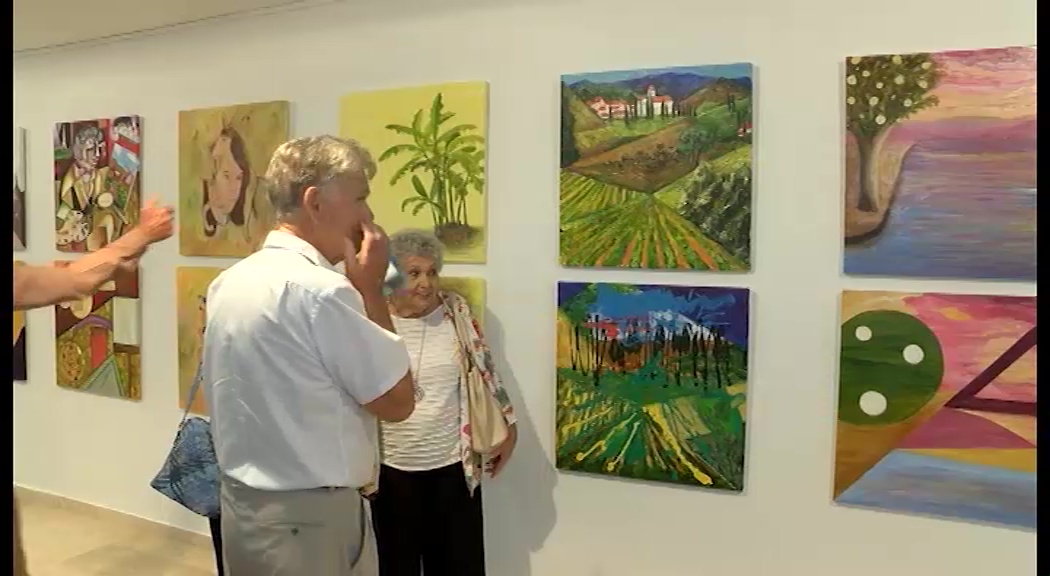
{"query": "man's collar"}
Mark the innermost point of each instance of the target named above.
(288, 241)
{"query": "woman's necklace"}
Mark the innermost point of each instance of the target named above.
(417, 389)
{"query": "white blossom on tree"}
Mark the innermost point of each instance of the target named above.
(881, 91)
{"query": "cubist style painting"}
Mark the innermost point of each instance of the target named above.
(652, 382)
(941, 164)
(191, 292)
(430, 144)
(98, 345)
(18, 362)
(656, 168)
(18, 222)
(937, 406)
(223, 156)
(98, 174)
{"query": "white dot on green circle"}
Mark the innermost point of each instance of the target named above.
(913, 354)
(863, 333)
(872, 403)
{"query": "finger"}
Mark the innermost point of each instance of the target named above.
(370, 230)
(497, 465)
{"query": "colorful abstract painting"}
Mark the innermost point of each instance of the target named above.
(98, 175)
(472, 290)
(656, 168)
(99, 343)
(430, 145)
(223, 156)
(652, 382)
(941, 164)
(19, 347)
(18, 222)
(191, 293)
(937, 405)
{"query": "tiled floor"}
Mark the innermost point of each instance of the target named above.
(67, 538)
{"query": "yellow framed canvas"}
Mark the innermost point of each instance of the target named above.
(223, 155)
(191, 291)
(429, 143)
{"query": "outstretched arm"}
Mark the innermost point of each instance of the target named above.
(40, 286)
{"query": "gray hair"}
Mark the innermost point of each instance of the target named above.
(86, 135)
(313, 161)
(419, 243)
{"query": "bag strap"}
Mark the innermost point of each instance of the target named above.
(193, 390)
(461, 335)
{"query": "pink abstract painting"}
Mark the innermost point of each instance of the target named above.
(937, 405)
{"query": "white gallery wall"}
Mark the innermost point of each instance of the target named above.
(104, 451)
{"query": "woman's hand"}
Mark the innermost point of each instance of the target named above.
(500, 456)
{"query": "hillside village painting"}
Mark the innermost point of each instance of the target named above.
(652, 382)
(656, 168)
(941, 164)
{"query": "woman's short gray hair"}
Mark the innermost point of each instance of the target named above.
(418, 243)
(312, 161)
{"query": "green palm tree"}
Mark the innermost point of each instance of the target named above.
(453, 159)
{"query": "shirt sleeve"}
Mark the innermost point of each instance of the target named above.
(361, 356)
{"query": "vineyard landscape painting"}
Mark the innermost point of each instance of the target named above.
(652, 382)
(429, 144)
(656, 168)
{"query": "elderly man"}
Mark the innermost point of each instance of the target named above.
(298, 362)
(40, 286)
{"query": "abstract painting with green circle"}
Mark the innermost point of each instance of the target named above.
(937, 406)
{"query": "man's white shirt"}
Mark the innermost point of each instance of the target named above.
(289, 359)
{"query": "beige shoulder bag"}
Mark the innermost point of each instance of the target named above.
(488, 428)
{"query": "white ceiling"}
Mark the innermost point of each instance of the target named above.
(48, 23)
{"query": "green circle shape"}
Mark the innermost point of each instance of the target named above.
(873, 360)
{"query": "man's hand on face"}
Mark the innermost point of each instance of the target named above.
(366, 268)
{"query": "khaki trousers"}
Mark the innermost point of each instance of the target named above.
(20, 555)
(322, 532)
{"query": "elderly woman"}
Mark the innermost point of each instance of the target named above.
(427, 513)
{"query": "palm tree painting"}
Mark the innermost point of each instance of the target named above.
(429, 144)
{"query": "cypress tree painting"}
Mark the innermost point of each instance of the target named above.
(652, 382)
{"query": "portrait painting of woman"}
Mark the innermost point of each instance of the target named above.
(223, 152)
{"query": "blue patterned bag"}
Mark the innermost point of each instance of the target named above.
(190, 475)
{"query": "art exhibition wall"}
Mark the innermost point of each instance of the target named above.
(539, 521)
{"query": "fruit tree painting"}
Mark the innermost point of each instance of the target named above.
(652, 382)
(656, 168)
(429, 144)
(937, 406)
(941, 164)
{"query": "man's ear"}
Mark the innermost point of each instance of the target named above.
(312, 201)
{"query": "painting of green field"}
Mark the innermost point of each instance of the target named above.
(652, 382)
(656, 168)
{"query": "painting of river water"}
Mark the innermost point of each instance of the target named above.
(941, 165)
